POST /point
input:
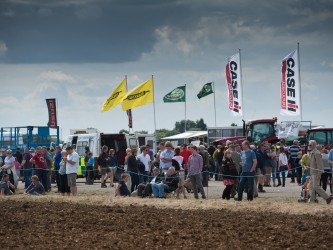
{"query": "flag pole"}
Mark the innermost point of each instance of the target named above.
(299, 78)
(240, 70)
(185, 107)
(214, 103)
(127, 112)
(152, 80)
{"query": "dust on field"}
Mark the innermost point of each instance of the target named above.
(275, 205)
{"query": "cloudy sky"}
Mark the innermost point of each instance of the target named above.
(78, 51)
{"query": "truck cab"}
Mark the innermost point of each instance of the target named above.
(323, 136)
(261, 130)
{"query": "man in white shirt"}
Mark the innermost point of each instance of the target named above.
(144, 157)
(72, 165)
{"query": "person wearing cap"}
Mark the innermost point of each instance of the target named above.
(293, 152)
(195, 164)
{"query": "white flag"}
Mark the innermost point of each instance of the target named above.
(234, 84)
(290, 85)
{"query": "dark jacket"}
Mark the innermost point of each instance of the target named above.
(229, 170)
(172, 181)
(132, 164)
(103, 160)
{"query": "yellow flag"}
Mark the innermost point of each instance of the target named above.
(116, 97)
(139, 96)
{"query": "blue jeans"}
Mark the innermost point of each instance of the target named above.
(143, 177)
(158, 189)
(27, 173)
(249, 178)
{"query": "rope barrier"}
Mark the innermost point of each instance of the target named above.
(142, 174)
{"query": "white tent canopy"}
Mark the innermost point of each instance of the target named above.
(187, 135)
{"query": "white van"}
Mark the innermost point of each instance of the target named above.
(118, 142)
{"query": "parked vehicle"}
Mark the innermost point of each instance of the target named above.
(322, 136)
(95, 142)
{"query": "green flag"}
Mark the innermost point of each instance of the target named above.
(176, 95)
(207, 89)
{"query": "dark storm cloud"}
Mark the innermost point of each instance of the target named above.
(121, 30)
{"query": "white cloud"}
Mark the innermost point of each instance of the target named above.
(56, 76)
(3, 49)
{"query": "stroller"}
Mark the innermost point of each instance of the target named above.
(305, 194)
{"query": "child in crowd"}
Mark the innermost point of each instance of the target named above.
(122, 189)
(36, 187)
(305, 182)
(229, 173)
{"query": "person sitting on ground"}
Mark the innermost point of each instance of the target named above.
(166, 186)
(5, 186)
(122, 189)
(36, 187)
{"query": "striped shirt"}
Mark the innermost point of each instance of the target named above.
(293, 151)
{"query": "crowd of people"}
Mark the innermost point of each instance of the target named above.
(33, 167)
(241, 167)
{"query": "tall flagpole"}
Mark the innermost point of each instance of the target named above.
(214, 103)
(129, 129)
(152, 79)
(299, 78)
(240, 70)
(185, 107)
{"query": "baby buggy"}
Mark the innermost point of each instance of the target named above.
(305, 194)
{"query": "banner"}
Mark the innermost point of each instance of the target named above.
(290, 85)
(207, 89)
(176, 95)
(116, 97)
(234, 84)
(51, 106)
(141, 95)
(130, 121)
(289, 129)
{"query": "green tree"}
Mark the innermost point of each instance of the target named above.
(201, 125)
(161, 133)
(190, 125)
(233, 124)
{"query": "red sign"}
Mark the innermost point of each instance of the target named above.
(51, 105)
